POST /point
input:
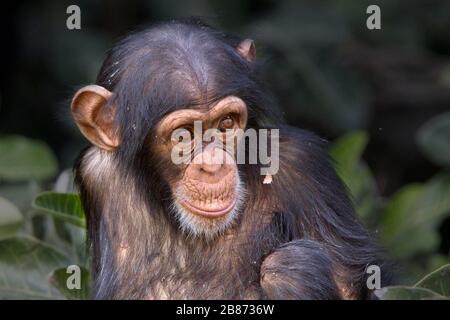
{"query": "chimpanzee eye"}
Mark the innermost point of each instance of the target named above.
(226, 123)
(190, 129)
(187, 132)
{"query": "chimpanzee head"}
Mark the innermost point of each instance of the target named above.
(156, 90)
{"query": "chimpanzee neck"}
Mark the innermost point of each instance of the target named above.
(139, 253)
(162, 262)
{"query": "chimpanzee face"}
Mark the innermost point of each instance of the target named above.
(197, 146)
(207, 191)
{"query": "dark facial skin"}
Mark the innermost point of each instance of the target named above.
(205, 229)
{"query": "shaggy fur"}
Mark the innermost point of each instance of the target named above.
(297, 237)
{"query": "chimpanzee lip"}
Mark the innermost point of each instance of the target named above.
(208, 212)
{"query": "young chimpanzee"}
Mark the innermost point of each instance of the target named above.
(204, 229)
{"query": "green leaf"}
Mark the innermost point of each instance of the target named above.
(10, 219)
(72, 241)
(25, 266)
(346, 152)
(64, 206)
(398, 209)
(436, 261)
(406, 293)
(437, 281)
(347, 149)
(64, 236)
(435, 203)
(433, 139)
(401, 225)
(63, 225)
(25, 159)
(60, 277)
(415, 212)
(20, 193)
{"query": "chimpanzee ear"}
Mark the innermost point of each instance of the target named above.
(247, 50)
(95, 120)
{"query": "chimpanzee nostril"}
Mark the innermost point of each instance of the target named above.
(212, 159)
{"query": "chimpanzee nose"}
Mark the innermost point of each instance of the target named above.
(211, 166)
(212, 159)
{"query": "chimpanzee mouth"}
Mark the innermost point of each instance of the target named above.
(208, 215)
(209, 212)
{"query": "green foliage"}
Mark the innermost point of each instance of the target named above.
(435, 285)
(39, 243)
(64, 206)
(60, 277)
(407, 223)
(25, 264)
(438, 281)
(434, 139)
(25, 159)
(406, 293)
(10, 219)
(346, 152)
(415, 212)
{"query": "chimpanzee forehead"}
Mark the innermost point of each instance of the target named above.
(171, 77)
(177, 59)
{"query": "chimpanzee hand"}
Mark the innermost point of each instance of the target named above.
(300, 269)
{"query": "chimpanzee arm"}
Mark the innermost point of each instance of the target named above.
(313, 204)
(299, 269)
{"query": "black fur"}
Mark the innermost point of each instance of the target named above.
(299, 269)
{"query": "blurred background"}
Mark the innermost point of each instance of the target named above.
(381, 97)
